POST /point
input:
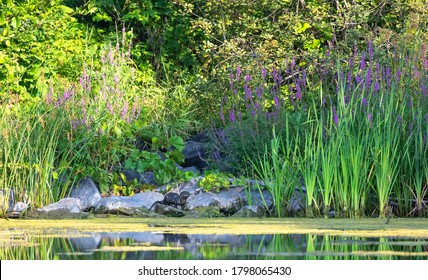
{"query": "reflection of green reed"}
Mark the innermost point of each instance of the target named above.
(258, 247)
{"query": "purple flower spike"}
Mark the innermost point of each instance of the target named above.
(369, 118)
(363, 62)
(276, 101)
(371, 50)
(358, 79)
(376, 87)
(238, 73)
(298, 92)
(335, 116)
(364, 102)
(369, 78)
(264, 72)
(124, 111)
(398, 74)
(232, 116)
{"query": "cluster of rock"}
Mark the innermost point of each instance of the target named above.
(182, 199)
(185, 199)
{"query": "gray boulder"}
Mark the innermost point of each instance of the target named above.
(231, 201)
(193, 169)
(65, 208)
(128, 205)
(202, 200)
(17, 210)
(296, 205)
(263, 199)
(87, 192)
(195, 154)
(251, 212)
(190, 186)
(146, 177)
(6, 197)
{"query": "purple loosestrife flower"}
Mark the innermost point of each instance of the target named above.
(363, 62)
(110, 56)
(238, 73)
(369, 118)
(358, 79)
(335, 116)
(259, 91)
(371, 50)
(298, 92)
(124, 111)
(398, 74)
(368, 78)
(376, 87)
(221, 113)
(364, 102)
(134, 108)
(123, 34)
(84, 119)
(264, 72)
(74, 124)
(109, 107)
(276, 101)
(232, 115)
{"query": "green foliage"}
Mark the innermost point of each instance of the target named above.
(215, 181)
(39, 40)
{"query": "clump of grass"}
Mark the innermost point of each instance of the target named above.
(358, 142)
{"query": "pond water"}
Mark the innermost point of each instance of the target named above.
(135, 239)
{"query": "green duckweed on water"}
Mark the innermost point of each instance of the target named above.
(144, 238)
(336, 227)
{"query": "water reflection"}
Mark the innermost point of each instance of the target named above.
(153, 245)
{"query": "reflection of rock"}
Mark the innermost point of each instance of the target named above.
(85, 244)
(128, 205)
(251, 211)
(87, 192)
(65, 208)
(142, 237)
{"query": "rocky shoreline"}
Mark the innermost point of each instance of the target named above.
(85, 199)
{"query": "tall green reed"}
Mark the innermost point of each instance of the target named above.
(34, 153)
(275, 170)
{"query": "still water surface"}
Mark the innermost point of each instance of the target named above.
(172, 242)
